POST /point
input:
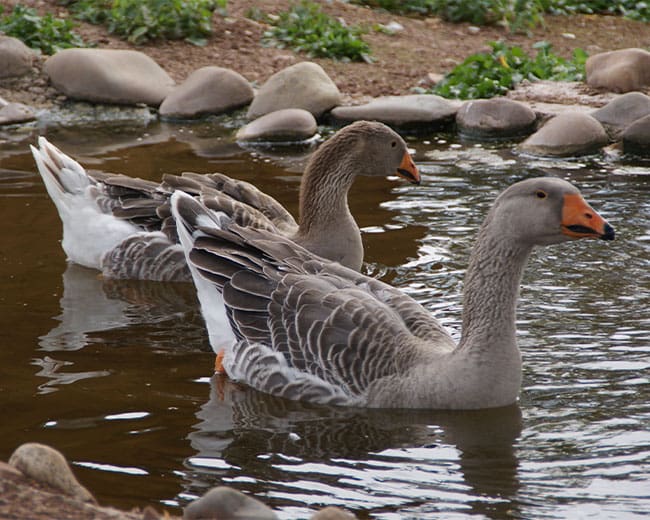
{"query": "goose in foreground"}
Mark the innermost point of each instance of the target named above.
(309, 329)
(123, 227)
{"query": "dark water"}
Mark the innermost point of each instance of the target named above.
(116, 375)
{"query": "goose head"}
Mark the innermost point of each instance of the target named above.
(370, 148)
(544, 211)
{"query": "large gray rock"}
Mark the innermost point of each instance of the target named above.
(636, 137)
(208, 90)
(109, 76)
(224, 503)
(568, 134)
(413, 110)
(15, 57)
(620, 113)
(495, 118)
(289, 124)
(47, 465)
(303, 85)
(619, 71)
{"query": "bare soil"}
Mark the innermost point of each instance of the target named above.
(408, 58)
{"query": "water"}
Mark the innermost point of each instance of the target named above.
(116, 375)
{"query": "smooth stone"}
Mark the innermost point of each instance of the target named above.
(495, 118)
(290, 124)
(623, 111)
(411, 110)
(15, 57)
(636, 137)
(227, 504)
(12, 113)
(623, 70)
(47, 465)
(109, 76)
(568, 134)
(208, 90)
(303, 85)
(332, 513)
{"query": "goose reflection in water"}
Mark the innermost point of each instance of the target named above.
(361, 459)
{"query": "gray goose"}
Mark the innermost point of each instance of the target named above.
(122, 225)
(313, 330)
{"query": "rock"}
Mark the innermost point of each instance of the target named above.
(622, 112)
(290, 124)
(15, 57)
(224, 503)
(109, 76)
(303, 85)
(495, 118)
(636, 137)
(16, 113)
(568, 134)
(619, 71)
(47, 465)
(414, 110)
(332, 513)
(208, 90)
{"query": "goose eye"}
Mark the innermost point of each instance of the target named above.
(540, 194)
(393, 144)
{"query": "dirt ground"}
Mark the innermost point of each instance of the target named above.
(402, 61)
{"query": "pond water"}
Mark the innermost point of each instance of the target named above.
(116, 375)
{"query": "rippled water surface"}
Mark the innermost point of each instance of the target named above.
(116, 375)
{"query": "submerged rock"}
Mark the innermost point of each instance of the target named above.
(623, 70)
(47, 465)
(227, 504)
(109, 76)
(496, 118)
(208, 90)
(303, 85)
(290, 124)
(565, 135)
(636, 137)
(11, 113)
(403, 111)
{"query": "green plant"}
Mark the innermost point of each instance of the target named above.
(421, 7)
(142, 20)
(306, 28)
(634, 9)
(44, 33)
(486, 75)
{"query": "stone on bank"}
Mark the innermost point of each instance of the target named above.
(287, 125)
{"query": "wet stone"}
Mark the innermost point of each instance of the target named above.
(13, 113)
(108, 76)
(303, 85)
(288, 125)
(636, 137)
(620, 113)
(417, 110)
(496, 118)
(47, 465)
(565, 135)
(227, 504)
(623, 70)
(208, 90)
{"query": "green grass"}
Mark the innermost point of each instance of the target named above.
(306, 28)
(490, 74)
(46, 34)
(139, 21)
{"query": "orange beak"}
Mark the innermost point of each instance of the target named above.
(580, 220)
(408, 170)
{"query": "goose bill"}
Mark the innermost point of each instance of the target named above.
(579, 220)
(408, 170)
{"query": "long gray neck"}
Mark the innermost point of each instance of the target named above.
(324, 195)
(491, 292)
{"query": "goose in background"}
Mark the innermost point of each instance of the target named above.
(122, 225)
(313, 330)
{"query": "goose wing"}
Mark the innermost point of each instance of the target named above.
(305, 328)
